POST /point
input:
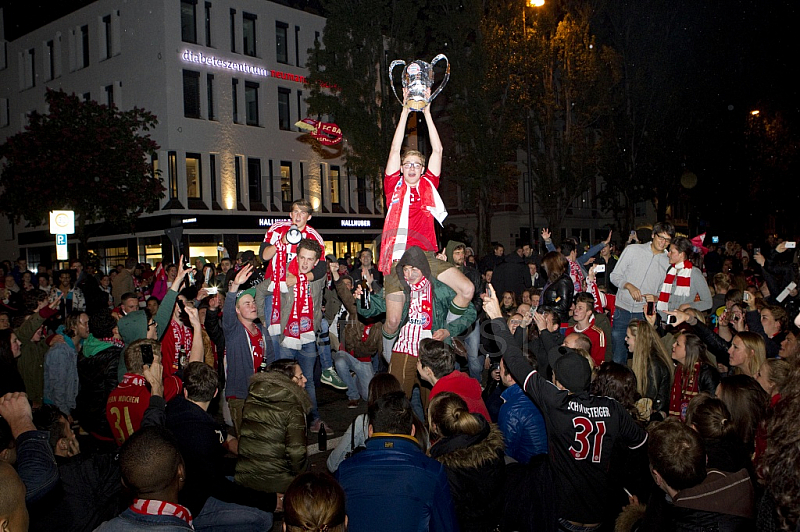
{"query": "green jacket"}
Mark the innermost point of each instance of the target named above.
(442, 296)
(272, 445)
(31, 360)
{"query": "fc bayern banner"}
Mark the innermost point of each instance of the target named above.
(325, 133)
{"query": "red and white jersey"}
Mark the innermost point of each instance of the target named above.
(275, 234)
(127, 403)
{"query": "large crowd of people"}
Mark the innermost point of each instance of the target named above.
(648, 386)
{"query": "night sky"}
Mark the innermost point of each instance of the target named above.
(728, 57)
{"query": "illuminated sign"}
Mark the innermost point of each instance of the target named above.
(355, 223)
(189, 220)
(214, 61)
(325, 133)
(200, 58)
(266, 222)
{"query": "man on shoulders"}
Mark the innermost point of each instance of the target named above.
(640, 271)
(391, 485)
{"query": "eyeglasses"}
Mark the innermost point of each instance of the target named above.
(408, 166)
(664, 238)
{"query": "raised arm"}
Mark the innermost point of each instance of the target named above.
(393, 163)
(435, 161)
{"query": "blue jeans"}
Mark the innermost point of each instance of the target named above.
(345, 363)
(324, 345)
(618, 331)
(219, 516)
(306, 357)
(474, 359)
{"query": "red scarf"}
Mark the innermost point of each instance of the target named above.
(299, 328)
(683, 270)
(395, 228)
(280, 265)
(420, 318)
(684, 389)
(154, 507)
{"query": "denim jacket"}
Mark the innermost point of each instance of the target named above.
(36, 465)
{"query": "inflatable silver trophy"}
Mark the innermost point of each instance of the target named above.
(418, 79)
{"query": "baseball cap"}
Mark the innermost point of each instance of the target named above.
(572, 370)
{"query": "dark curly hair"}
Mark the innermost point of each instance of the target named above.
(780, 463)
(618, 382)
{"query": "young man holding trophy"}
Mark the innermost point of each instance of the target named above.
(412, 204)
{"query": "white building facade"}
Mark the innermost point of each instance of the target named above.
(226, 79)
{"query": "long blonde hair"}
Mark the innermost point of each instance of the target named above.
(647, 347)
(755, 343)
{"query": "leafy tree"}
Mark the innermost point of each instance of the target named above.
(81, 156)
(571, 81)
(352, 59)
(484, 123)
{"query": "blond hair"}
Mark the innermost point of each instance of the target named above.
(647, 348)
(415, 153)
(755, 343)
(449, 415)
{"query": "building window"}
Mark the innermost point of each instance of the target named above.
(361, 186)
(299, 105)
(155, 167)
(284, 120)
(5, 112)
(208, 24)
(87, 96)
(235, 97)
(297, 45)
(233, 30)
(191, 94)
(254, 179)
(210, 96)
(249, 34)
(28, 65)
(194, 181)
(237, 164)
(84, 47)
(333, 175)
(51, 60)
(109, 89)
(281, 42)
(212, 176)
(189, 21)
(172, 168)
(251, 102)
(108, 34)
(286, 185)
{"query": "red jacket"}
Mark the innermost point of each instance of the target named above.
(465, 387)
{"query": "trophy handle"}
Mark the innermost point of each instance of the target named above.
(446, 75)
(391, 80)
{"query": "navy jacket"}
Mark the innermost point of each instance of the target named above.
(522, 425)
(393, 487)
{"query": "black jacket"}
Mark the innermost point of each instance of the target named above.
(558, 296)
(200, 440)
(98, 378)
(511, 276)
(475, 468)
(89, 492)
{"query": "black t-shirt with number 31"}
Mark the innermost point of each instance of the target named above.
(582, 431)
